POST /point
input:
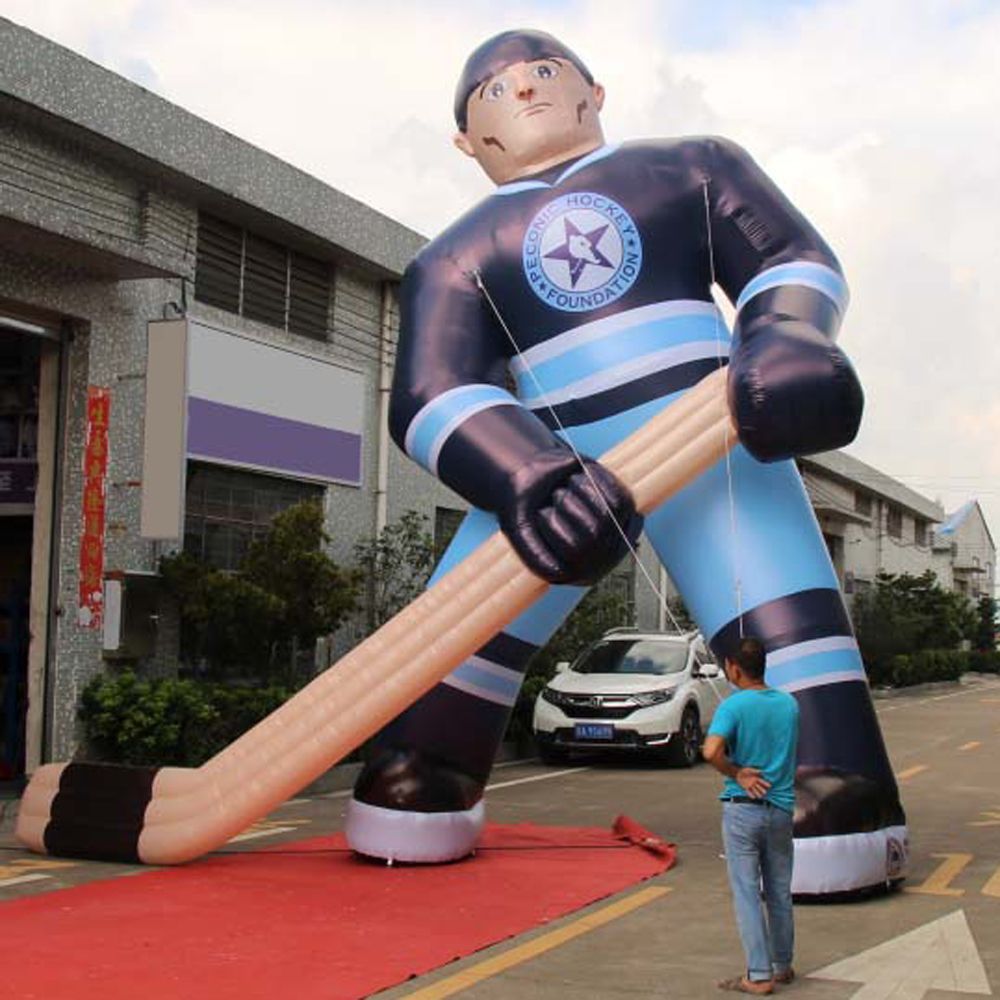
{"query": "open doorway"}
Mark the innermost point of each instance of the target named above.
(19, 390)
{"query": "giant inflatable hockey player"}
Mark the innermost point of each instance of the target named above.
(585, 279)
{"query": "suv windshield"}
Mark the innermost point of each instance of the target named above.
(633, 656)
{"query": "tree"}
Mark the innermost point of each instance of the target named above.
(904, 614)
(252, 622)
(985, 637)
(394, 567)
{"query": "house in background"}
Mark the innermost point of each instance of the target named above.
(965, 556)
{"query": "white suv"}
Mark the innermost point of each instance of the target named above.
(653, 692)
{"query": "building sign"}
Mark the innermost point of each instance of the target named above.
(270, 408)
(17, 481)
(95, 468)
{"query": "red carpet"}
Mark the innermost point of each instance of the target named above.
(306, 920)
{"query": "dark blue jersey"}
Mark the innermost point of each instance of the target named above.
(601, 270)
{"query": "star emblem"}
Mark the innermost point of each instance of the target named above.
(579, 250)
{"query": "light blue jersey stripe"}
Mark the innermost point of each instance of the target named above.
(599, 329)
(810, 647)
(818, 668)
(802, 272)
(598, 154)
(501, 682)
(433, 425)
(515, 187)
(597, 358)
(613, 376)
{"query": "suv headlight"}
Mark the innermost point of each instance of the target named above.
(552, 696)
(647, 698)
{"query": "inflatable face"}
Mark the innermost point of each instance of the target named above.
(529, 116)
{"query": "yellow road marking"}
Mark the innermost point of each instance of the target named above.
(537, 946)
(992, 887)
(911, 772)
(21, 879)
(990, 701)
(22, 866)
(992, 818)
(971, 745)
(936, 883)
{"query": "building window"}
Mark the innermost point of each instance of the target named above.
(226, 509)
(246, 274)
(863, 503)
(894, 522)
(446, 522)
(920, 532)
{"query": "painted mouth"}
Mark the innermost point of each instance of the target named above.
(533, 109)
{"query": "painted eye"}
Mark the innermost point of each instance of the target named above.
(545, 71)
(496, 90)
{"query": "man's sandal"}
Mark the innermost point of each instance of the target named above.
(740, 984)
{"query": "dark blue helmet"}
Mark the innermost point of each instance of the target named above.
(503, 50)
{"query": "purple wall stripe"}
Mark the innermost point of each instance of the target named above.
(232, 434)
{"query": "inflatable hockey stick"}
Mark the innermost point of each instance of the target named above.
(169, 815)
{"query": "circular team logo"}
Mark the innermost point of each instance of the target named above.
(581, 251)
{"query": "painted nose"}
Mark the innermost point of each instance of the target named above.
(524, 89)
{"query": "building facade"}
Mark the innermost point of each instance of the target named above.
(193, 335)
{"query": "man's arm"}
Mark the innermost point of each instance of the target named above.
(450, 411)
(748, 778)
(792, 391)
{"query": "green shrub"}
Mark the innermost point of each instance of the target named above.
(926, 665)
(984, 661)
(167, 721)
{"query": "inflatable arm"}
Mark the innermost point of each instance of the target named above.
(791, 389)
(451, 413)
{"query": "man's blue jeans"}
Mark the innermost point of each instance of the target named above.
(759, 852)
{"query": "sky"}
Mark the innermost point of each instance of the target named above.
(880, 119)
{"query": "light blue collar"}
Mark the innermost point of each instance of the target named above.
(514, 187)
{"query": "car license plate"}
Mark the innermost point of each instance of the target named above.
(593, 731)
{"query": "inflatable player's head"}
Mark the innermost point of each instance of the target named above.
(525, 102)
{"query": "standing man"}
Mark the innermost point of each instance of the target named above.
(752, 742)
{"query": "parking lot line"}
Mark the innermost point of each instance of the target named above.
(912, 772)
(535, 777)
(971, 745)
(937, 883)
(536, 946)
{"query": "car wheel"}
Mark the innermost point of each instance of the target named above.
(686, 745)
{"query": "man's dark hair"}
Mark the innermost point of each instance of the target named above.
(503, 50)
(750, 657)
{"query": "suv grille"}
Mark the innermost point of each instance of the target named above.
(596, 706)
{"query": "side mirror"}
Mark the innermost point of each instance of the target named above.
(562, 666)
(707, 670)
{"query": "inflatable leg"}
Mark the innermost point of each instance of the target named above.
(849, 825)
(420, 796)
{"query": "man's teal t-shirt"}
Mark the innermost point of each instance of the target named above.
(761, 729)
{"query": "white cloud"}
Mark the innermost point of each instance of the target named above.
(879, 119)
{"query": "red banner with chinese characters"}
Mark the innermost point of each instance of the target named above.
(95, 468)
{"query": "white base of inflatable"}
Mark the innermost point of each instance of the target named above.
(849, 862)
(398, 835)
